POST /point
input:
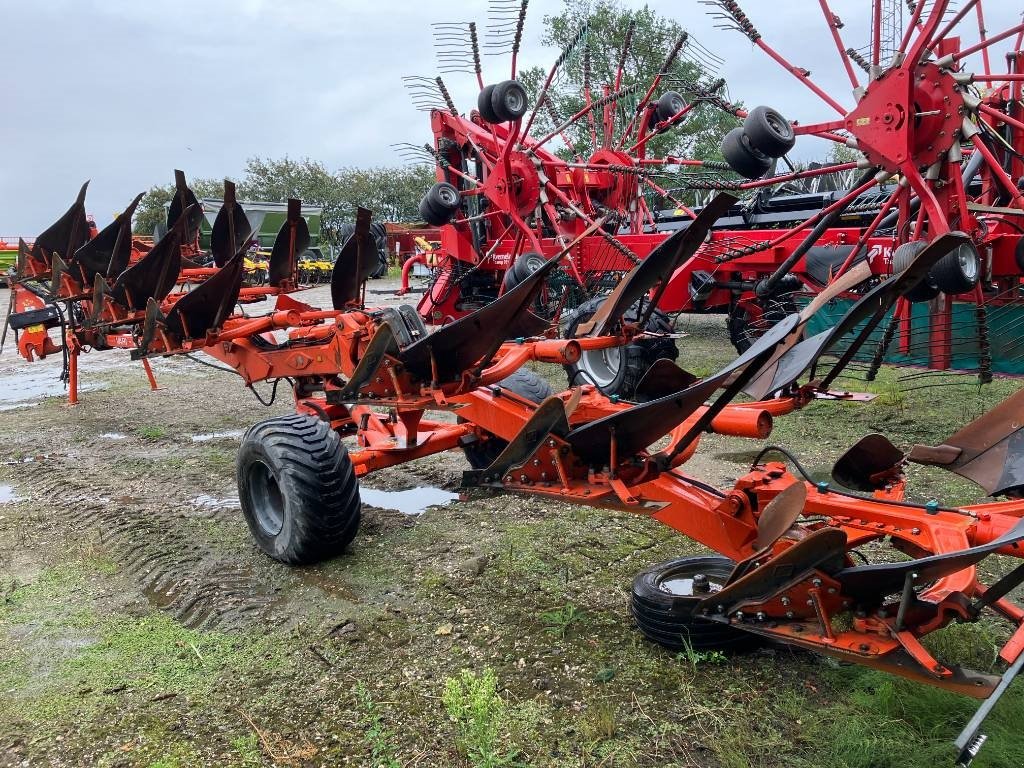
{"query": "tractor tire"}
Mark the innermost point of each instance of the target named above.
(483, 105)
(742, 334)
(524, 266)
(743, 158)
(618, 370)
(298, 489)
(669, 105)
(481, 453)
(768, 132)
(958, 272)
(380, 239)
(439, 204)
(664, 599)
(926, 290)
(509, 101)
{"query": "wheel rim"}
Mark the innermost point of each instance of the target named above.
(265, 499)
(448, 196)
(602, 365)
(515, 101)
(968, 262)
(691, 582)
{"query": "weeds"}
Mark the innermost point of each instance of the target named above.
(152, 432)
(377, 736)
(479, 714)
(559, 621)
(695, 658)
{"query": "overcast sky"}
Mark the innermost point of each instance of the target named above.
(124, 91)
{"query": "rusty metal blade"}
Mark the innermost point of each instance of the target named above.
(111, 246)
(862, 317)
(291, 240)
(208, 305)
(154, 275)
(471, 341)
(663, 378)
(869, 464)
(184, 201)
(657, 267)
(67, 234)
(231, 228)
(760, 387)
(355, 263)
(549, 418)
(871, 583)
(149, 328)
(382, 343)
(780, 514)
(823, 549)
(99, 297)
(636, 428)
(21, 263)
(988, 451)
(58, 267)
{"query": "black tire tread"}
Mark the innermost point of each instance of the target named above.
(318, 480)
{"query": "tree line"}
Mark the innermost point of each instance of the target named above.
(393, 194)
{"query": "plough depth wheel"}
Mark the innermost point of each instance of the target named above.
(298, 489)
(664, 599)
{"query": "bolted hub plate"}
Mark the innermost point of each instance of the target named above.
(908, 115)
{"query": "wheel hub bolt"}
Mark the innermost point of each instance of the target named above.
(701, 583)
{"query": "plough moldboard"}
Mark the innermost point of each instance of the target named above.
(372, 386)
(373, 377)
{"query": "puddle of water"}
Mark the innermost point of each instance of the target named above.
(206, 501)
(232, 433)
(113, 436)
(7, 494)
(22, 384)
(412, 502)
(16, 406)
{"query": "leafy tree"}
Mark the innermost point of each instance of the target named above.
(393, 194)
(594, 64)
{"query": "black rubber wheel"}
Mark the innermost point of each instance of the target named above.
(524, 266)
(958, 272)
(483, 105)
(617, 371)
(298, 489)
(742, 330)
(669, 105)
(664, 598)
(768, 132)
(743, 158)
(380, 239)
(527, 384)
(439, 204)
(926, 290)
(509, 101)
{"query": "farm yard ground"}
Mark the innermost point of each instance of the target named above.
(139, 626)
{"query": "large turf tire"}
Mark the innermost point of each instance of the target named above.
(298, 489)
(926, 290)
(618, 370)
(481, 453)
(959, 271)
(768, 132)
(743, 158)
(668, 619)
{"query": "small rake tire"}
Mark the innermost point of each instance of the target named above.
(668, 619)
(298, 489)
(742, 157)
(768, 132)
(481, 453)
(957, 272)
(902, 257)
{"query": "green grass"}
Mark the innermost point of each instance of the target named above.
(151, 432)
(479, 714)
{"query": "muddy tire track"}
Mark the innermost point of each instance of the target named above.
(179, 572)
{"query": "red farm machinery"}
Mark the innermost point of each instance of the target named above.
(375, 388)
(936, 144)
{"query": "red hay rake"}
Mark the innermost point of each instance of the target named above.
(937, 153)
